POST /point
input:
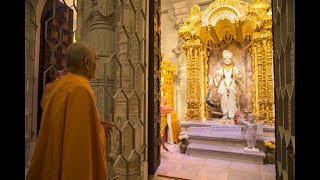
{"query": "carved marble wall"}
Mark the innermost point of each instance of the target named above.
(284, 65)
(118, 31)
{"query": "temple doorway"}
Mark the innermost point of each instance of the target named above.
(214, 102)
(168, 48)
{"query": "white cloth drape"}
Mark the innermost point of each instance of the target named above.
(169, 132)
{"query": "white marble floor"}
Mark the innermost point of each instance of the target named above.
(174, 164)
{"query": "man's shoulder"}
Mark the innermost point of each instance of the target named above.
(74, 81)
(73, 84)
(80, 87)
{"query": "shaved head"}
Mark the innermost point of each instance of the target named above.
(82, 59)
(76, 52)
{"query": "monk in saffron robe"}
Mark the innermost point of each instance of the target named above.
(71, 141)
(49, 87)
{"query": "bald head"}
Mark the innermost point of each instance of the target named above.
(81, 59)
(76, 52)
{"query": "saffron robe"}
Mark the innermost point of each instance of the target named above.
(71, 141)
(47, 91)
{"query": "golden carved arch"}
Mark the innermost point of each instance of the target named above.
(233, 10)
(243, 21)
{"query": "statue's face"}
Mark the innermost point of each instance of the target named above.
(228, 61)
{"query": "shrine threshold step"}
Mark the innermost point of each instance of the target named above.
(232, 141)
(230, 153)
(225, 141)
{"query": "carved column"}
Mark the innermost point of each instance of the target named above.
(95, 26)
(193, 48)
(100, 35)
(204, 81)
(181, 88)
(263, 95)
(180, 11)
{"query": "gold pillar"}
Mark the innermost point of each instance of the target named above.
(263, 91)
(204, 79)
(193, 49)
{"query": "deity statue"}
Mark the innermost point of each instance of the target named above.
(252, 130)
(226, 80)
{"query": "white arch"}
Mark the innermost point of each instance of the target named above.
(39, 9)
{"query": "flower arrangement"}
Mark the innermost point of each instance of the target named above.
(269, 144)
(270, 151)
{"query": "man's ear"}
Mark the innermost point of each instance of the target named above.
(87, 60)
(86, 63)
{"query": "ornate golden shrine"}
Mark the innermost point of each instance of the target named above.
(242, 21)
